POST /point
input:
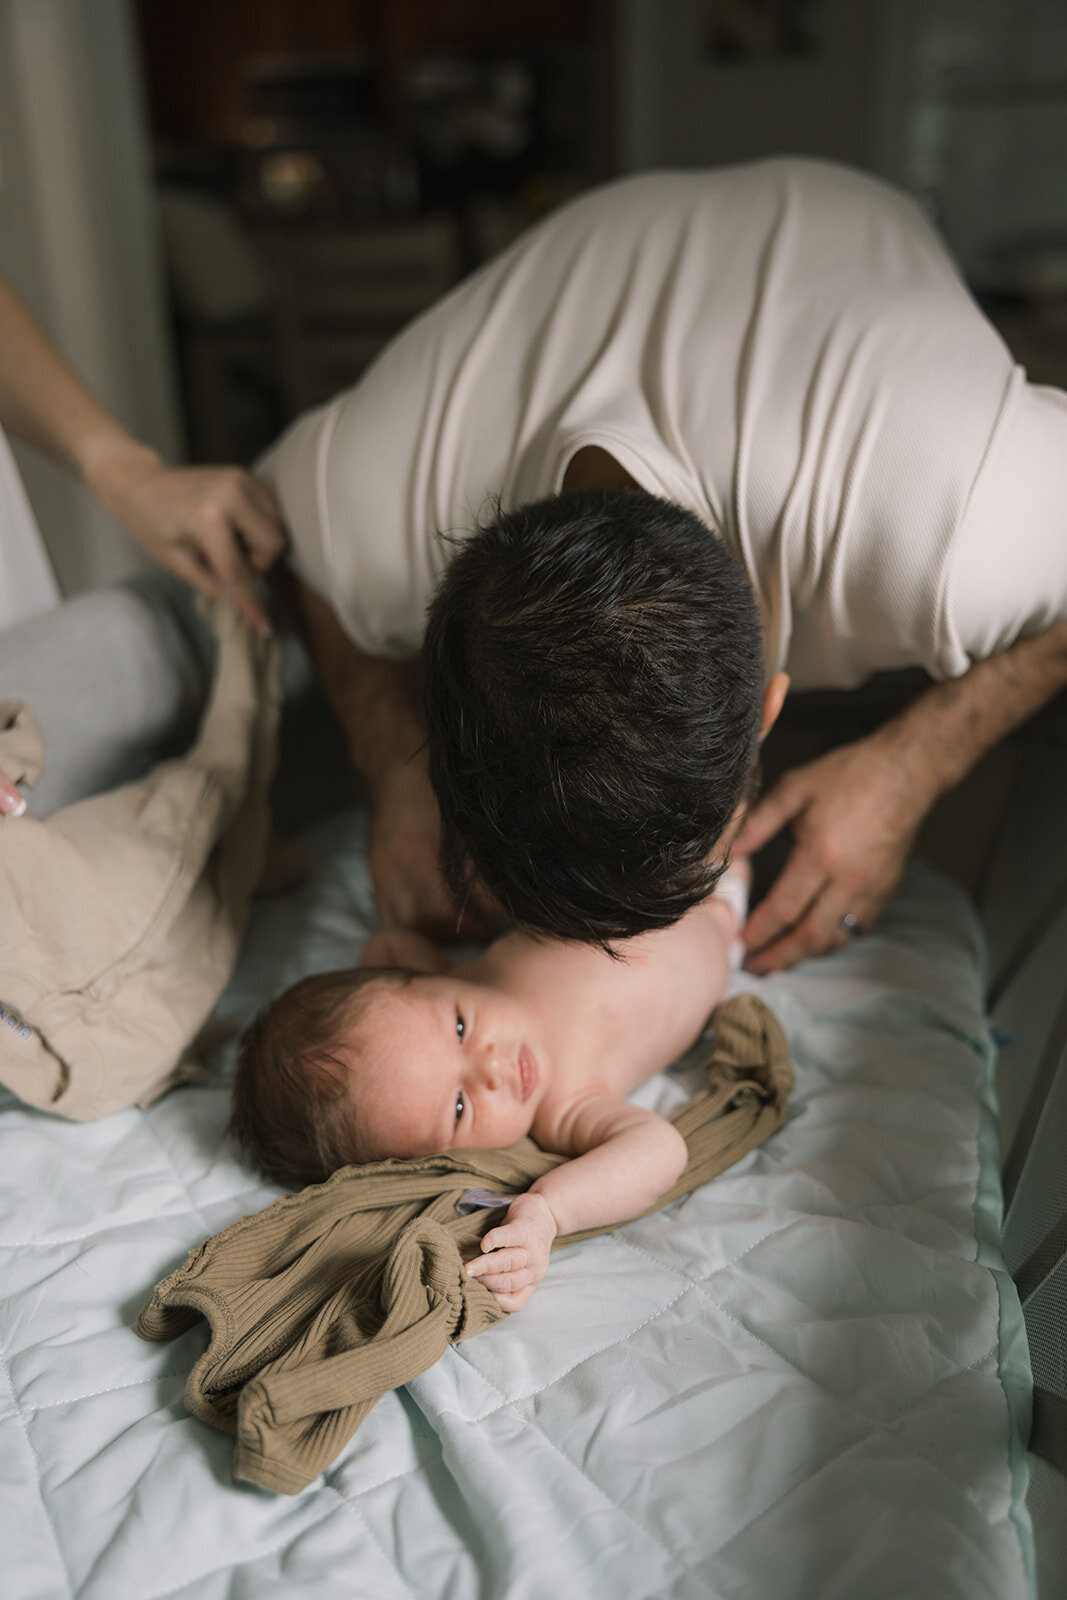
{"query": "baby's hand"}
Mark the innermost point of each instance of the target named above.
(515, 1257)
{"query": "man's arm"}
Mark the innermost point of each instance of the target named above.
(625, 1158)
(399, 947)
(373, 701)
(855, 811)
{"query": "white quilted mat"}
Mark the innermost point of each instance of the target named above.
(806, 1379)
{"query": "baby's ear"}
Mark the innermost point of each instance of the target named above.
(399, 947)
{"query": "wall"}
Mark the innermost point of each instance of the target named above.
(843, 100)
(988, 133)
(77, 237)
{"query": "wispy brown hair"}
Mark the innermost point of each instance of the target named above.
(291, 1108)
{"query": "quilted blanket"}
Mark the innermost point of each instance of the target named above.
(807, 1378)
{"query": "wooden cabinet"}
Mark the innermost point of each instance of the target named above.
(340, 292)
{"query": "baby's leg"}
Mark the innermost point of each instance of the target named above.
(117, 679)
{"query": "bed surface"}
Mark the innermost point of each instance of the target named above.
(808, 1378)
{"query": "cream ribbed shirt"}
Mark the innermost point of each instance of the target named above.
(783, 348)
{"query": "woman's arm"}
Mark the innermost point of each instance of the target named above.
(625, 1158)
(855, 811)
(213, 526)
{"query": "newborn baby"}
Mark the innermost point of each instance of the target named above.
(409, 1056)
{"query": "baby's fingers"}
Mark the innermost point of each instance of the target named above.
(513, 1302)
(499, 1261)
(507, 1235)
(499, 1283)
(510, 1290)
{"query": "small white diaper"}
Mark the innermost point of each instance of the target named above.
(733, 888)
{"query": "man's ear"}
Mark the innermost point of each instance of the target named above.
(773, 701)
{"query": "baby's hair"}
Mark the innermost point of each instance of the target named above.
(290, 1106)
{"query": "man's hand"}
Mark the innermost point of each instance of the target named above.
(216, 527)
(854, 814)
(373, 701)
(515, 1255)
(405, 839)
(399, 947)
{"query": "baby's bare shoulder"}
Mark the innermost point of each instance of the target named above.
(571, 1123)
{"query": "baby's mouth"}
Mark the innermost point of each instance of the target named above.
(529, 1072)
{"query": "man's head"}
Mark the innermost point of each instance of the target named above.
(371, 1063)
(593, 688)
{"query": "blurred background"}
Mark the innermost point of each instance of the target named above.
(222, 209)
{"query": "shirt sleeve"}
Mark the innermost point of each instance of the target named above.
(352, 480)
(1006, 576)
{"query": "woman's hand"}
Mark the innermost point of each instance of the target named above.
(216, 527)
(854, 814)
(12, 803)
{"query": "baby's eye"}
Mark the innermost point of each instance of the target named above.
(460, 1105)
(461, 1028)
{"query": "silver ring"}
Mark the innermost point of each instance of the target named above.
(850, 925)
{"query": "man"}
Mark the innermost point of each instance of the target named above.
(782, 350)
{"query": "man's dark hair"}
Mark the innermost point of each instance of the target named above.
(593, 687)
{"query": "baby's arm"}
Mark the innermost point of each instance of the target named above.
(625, 1158)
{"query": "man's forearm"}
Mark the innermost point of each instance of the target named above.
(950, 726)
(371, 698)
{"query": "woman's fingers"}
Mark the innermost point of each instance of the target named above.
(258, 520)
(227, 564)
(12, 803)
(216, 527)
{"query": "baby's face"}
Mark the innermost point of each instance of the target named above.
(442, 1064)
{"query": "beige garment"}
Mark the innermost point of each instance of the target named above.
(123, 913)
(329, 1298)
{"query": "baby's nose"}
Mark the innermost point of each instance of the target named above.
(491, 1067)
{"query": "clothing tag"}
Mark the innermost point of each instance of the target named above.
(11, 1019)
(481, 1200)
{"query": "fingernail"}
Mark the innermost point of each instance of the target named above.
(12, 805)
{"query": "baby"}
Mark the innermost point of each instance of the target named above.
(409, 1056)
